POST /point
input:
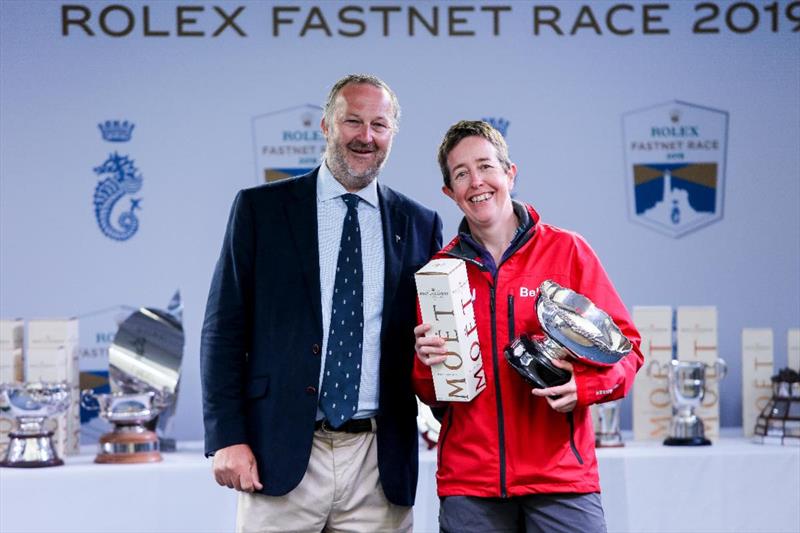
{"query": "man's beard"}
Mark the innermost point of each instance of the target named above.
(336, 157)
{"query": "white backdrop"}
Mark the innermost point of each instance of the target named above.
(193, 98)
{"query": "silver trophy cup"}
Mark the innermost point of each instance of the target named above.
(131, 441)
(608, 434)
(31, 404)
(687, 387)
(144, 371)
(573, 328)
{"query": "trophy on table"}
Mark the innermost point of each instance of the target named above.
(687, 387)
(779, 421)
(31, 404)
(144, 371)
(607, 434)
(428, 425)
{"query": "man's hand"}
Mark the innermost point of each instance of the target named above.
(235, 468)
(562, 398)
(430, 350)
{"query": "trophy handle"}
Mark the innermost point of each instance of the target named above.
(720, 369)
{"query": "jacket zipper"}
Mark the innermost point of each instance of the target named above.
(496, 366)
(501, 431)
(444, 435)
(571, 421)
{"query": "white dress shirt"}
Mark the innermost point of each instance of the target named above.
(331, 210)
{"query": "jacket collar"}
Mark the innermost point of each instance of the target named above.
(464, 246)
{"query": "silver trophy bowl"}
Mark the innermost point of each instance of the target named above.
(31, 404)
(574, 328)
(131, 441)
(125, 409)
(687, 387)
(146, 357)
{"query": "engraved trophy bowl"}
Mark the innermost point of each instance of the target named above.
(31, 404)
(131, 441)
(687, 387)
(573, 328)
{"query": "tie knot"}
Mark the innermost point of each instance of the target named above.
(350, 200)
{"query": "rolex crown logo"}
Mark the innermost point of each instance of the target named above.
(675, 115)
(498, 123)
(116, 131)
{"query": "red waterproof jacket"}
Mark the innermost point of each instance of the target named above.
(507, 442)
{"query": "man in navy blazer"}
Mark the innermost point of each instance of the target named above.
(267, 323)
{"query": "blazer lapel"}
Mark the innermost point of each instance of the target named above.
(395, 226)
(301, 212)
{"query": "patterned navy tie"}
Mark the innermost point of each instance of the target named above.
(339, 399)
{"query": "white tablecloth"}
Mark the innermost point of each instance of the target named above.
(733, 485)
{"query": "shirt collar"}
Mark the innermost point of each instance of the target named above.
(328, 187)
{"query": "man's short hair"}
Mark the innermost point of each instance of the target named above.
(471, 128)
(356, 79)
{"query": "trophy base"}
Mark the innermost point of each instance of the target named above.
(128, 458)
(609, 444)
(129, 445)
(30, 450)
(528, 357)
(686, 441)
(31, 464)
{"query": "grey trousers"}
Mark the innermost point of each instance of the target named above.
(536, 513)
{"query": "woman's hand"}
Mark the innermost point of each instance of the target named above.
(562, 398)
(430, 350)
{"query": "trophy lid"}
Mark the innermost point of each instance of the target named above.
(574, 322)
(146, 353)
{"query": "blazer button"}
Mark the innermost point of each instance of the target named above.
(311, 391)
(315, 349)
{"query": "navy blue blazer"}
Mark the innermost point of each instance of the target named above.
(262, 334)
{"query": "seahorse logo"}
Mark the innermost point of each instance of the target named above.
(121, 178)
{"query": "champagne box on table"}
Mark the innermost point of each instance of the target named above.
(757, 370)
(11, 370)
(652, 407)
(793, 349)
(445, 301)
(11, 335)
(52, 356)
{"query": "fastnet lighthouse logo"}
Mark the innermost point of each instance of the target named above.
(675, 166)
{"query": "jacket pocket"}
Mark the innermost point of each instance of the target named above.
(571, 422)
(257, 387)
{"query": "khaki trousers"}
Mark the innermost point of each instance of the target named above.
(340, 492)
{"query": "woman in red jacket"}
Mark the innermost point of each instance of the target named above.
(515, 458)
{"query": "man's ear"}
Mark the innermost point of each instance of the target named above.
(448, 192)
(324, 126)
